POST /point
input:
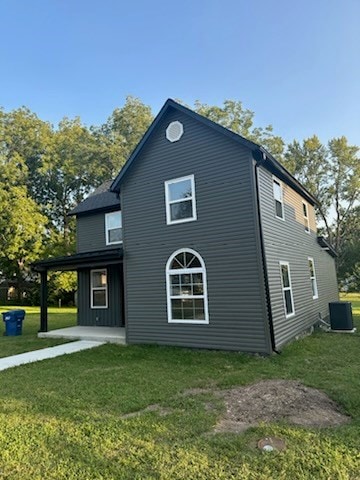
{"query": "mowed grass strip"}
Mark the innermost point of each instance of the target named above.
(28, 341)
(66, 417)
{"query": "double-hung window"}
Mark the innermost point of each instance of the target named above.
(186, 288)
(306, 217)
(278, 198)
(113, 228)
(98, 288)
(313, 278)
(287, 289)
(180, 200)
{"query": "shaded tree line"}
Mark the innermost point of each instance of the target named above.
(45, 171)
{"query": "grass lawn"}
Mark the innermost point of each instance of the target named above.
(64, 418)
(58, 318)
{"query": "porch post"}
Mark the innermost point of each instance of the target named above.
(43, 303)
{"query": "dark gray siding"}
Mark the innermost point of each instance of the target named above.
(224, 235)
(288, 241)
(109, 317)
(90, 233)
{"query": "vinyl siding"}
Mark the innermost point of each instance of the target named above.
(105, 317)
(90, 233)
(224, 234)
(287, 241)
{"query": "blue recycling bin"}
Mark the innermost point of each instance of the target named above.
(13, 322)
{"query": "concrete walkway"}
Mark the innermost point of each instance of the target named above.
(95, 334)
(44, 353)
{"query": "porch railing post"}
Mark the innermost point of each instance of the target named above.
(43, 302)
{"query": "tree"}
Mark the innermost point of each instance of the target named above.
(123, 130)
(22, 226)
(309, 163)
(332, 174)
(235, 117)
(349, 259)
(344, 177)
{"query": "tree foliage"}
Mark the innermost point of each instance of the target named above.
(332, 174)
(45, 171)
(235, 117)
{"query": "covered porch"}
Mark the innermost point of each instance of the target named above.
(109, 258)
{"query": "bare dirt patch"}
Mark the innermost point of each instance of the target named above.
(278, 400)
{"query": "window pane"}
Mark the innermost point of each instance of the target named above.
(176, 264)
(185, 279)
(285, 276)
(186, 290)
(113, 220)
(175, 279)
(311, 268)
(180, 190)
(197, 277)
(288, 302)
(99, 279)
(278, 209)
(181, 210)
(115, 235)
(187, 303)
(199, 314)
(199, 303)
(176, 304)
(175, 290)
(305, 210)
(189, 258)
(194, 262)
(176, 313)
(188, 314)
(99, 298)
(277, 191)
(313, 286)
(198, 289)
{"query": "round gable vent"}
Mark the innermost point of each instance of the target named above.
(174, 131)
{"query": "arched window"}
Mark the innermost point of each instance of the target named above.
(186, 288)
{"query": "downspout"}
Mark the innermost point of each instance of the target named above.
(259, 158)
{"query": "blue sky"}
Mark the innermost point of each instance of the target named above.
(296, 64)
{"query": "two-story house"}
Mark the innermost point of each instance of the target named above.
(202, 240)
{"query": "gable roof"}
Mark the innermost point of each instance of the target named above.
(101, 199)
(260, 154)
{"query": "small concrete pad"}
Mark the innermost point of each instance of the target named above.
(44, 353)
(96, 334)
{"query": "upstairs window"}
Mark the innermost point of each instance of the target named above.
(98, 289)
(313, 278)
(287, 289)
(278, 199)
(306, 217)
(180, 200)
(113, 228)
(186, 288)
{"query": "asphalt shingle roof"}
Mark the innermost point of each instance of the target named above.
(100, 199)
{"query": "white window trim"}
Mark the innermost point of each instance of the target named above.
(275, 179)
(92, 288)
(306, 218)
(169, 202)
(310, 259)
(287, 315)
(107, 228)
(180, 271)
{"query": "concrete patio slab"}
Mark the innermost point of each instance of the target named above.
(97, 334)
(44, 353)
